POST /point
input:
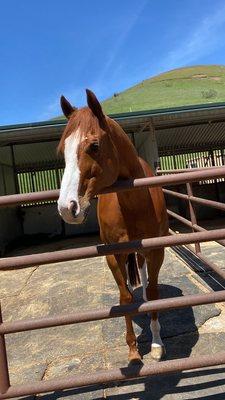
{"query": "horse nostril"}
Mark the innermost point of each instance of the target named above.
(73, 207)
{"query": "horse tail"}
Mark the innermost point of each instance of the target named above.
(133, 270)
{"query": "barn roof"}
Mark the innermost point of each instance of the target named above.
(178, 129)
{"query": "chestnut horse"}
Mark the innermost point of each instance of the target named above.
(98, 152)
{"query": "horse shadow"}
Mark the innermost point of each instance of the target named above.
(179, 333)
(173, 323)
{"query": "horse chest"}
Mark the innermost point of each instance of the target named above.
(123, 220)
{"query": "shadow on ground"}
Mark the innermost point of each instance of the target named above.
(175, 324)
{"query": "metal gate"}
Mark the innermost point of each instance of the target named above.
(130, 372)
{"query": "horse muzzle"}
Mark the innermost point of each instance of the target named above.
(74, 212)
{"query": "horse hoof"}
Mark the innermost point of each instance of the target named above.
(134, 357)
(158, 352)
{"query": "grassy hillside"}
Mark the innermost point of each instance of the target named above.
(184, 86)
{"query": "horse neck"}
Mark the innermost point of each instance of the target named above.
(129, 163)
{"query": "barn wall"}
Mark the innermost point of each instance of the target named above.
(44, 219)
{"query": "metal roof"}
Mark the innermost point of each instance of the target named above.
(182, 128)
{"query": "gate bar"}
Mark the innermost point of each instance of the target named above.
(4, 372)
(113, 312)
(192, 214)
(119, 374)
(174, 179)
(211, 265)
(196, 227)
(184, 221)
(106, 249)
(181, 170)
(219, 271)
(197, 200)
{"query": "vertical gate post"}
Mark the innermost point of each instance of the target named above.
(215, 180)
(192, 214)
(4, 372)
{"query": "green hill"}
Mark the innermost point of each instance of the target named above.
(200, 84)
(179, 87)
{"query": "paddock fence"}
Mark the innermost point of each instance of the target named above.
(197, 236)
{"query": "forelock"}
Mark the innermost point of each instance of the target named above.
(82, 120)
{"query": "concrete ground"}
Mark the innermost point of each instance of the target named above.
(49, 290)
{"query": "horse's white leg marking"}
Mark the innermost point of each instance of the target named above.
(144, 279)
(71, 177)
(128, 279)
(155, 329)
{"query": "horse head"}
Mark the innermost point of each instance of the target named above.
(91, 159)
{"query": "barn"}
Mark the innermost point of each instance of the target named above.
(172, 138)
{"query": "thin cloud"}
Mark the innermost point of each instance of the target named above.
(53, 109)
(99, 85)
(50, 111)
(203, 41)
(205, 38)
(127, 28)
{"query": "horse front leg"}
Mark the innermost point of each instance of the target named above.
(117, 266)
(154, 262)
(142, 267)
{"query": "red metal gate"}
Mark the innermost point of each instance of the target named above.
(130, 372)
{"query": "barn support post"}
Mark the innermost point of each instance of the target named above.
(192, 214)
(133, 138)
(17, 188)
(154, 146)
(222, 156)
(215, 181)
(146, 144)
(3, 178)
(32, 174)
(14, 169)
(4, 372)
(63, 228)
(174, 160)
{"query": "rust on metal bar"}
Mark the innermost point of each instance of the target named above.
(16, 199)
(199, 228)
(185, 221)
(208, 203)
(176, 194)
(192, 214)
(212, 265)
(114, 248)
(113, 312)
(174, 179)
(119, 374)
(181, 170)
(197, 200)
(4, 372)
(196, 227)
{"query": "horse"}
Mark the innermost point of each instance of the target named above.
(97, 152)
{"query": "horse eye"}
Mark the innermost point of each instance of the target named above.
(94, 147)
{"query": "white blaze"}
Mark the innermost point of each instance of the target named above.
(71, 177)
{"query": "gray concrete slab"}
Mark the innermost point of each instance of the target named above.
(88, 284)
(215, 252)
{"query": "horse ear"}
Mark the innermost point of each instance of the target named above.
(94, 105)
(66, 107)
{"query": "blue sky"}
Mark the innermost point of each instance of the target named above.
(54, 47)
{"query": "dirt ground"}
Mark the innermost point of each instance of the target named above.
(49, 290)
